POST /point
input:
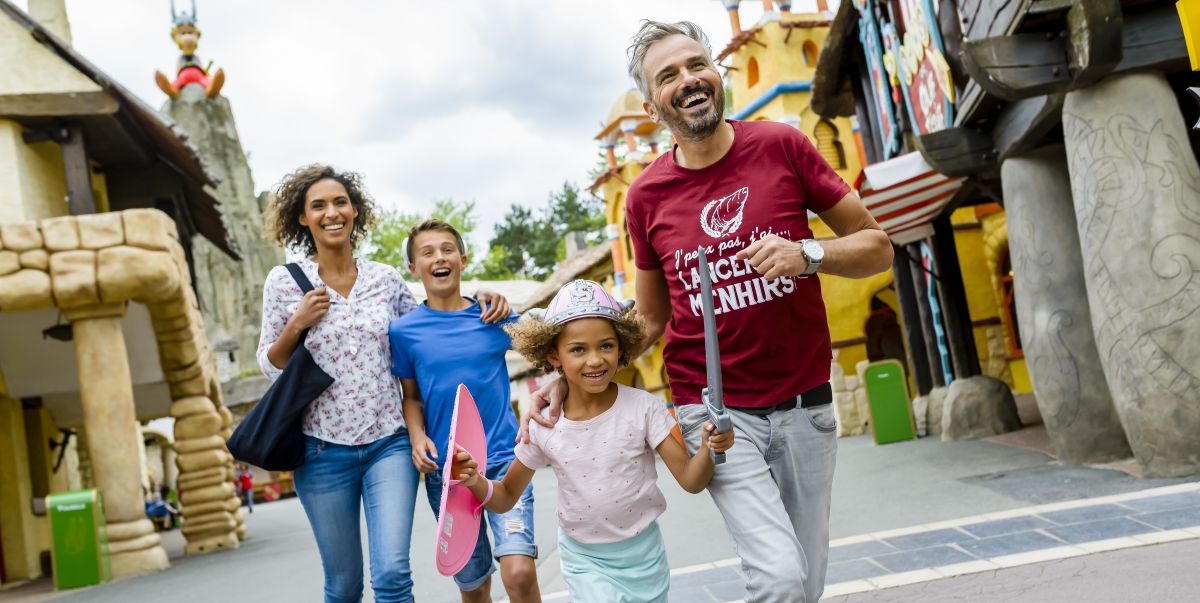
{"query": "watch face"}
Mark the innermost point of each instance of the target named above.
(814, 251)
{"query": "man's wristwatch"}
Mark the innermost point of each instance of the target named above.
(814, 254)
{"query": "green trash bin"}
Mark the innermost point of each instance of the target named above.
(887, 397)
(79, 539)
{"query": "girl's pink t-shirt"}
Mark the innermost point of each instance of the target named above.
(607, 481)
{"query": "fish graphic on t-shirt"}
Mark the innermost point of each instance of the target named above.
(723, 216)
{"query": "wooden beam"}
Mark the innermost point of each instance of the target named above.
(1018, 66)
(1041, 7)
(1154, 40)
(960, 336)
(1021, 125)
(1099, 42)
(78, 172)
(1093, 40)
(958, 151)
(57, 105)
(910, 315)
(933, 356)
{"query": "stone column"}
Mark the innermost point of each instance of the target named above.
(211, 509)
(1136, 188)
(1052, 310)
(106, 390)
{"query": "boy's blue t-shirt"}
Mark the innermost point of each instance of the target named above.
(443, 349)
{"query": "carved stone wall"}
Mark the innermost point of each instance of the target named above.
(1052, 310)
(230, 291)
(1136, 188)
(90, 267)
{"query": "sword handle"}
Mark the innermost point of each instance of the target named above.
(720, 419)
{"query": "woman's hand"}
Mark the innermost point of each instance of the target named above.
(422, 449)
(312, 308)
(464, 468)
(495, 306)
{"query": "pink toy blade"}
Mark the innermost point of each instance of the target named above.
(458, 518)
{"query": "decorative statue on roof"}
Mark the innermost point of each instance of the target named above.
(189, 69)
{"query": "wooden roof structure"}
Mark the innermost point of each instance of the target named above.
(567, 271)
(146, 158)
(1012, 64)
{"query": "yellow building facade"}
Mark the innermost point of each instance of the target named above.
(631, 140)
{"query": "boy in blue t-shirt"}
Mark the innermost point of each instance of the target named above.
(435, 347)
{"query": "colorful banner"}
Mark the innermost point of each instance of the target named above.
(881, 98)
(924, 73)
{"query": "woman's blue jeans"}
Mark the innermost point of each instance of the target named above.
(335, 481)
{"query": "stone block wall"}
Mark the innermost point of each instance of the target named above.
(91, 266)
(849, 399)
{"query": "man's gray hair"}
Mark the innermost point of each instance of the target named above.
(651, 32)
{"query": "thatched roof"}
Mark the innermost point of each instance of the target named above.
(832, 91)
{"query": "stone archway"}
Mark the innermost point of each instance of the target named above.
(91, 267)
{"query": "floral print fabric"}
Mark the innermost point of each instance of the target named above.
(350, 344)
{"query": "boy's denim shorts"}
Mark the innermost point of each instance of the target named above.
(512, 531)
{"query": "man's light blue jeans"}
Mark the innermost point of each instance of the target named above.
(774, 492)
(334, 483)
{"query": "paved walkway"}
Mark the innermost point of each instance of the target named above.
(880, 492)
(977, 544)
(1164, 573)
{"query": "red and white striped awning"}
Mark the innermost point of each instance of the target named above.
(904, 195)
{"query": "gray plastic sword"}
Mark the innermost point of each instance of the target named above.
(712, 396)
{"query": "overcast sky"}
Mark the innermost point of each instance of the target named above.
(491, 101)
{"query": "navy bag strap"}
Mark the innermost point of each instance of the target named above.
(305, 286)
(301, 278)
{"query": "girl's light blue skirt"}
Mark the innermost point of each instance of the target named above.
(633, 570)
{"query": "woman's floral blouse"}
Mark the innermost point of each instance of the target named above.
(350, 344)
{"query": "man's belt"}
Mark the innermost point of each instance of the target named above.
(817, 396)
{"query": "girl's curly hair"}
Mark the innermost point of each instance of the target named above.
(283, 215)
(534, 338)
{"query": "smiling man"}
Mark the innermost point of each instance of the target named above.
(743, 190)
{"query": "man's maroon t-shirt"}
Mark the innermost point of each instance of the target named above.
(773, 335)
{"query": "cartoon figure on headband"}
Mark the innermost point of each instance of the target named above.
(601, 449)
(189, 69)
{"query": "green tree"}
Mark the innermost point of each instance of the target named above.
(386, 243)
(492, 266)
(531, 245)
(571, 212)
(526, 244)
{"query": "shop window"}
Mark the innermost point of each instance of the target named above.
(1013, 341)
(752, 72)
(828, 144)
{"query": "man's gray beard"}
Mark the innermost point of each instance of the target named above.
(695, 130)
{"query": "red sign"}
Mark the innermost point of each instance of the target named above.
(924, 73)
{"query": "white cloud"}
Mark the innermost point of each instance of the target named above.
(495, 102)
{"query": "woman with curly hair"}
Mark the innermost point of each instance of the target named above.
(357, 451)
(601, 450)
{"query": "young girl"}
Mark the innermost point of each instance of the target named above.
(601, 450)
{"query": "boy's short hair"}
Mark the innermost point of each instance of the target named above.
(430, 225)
